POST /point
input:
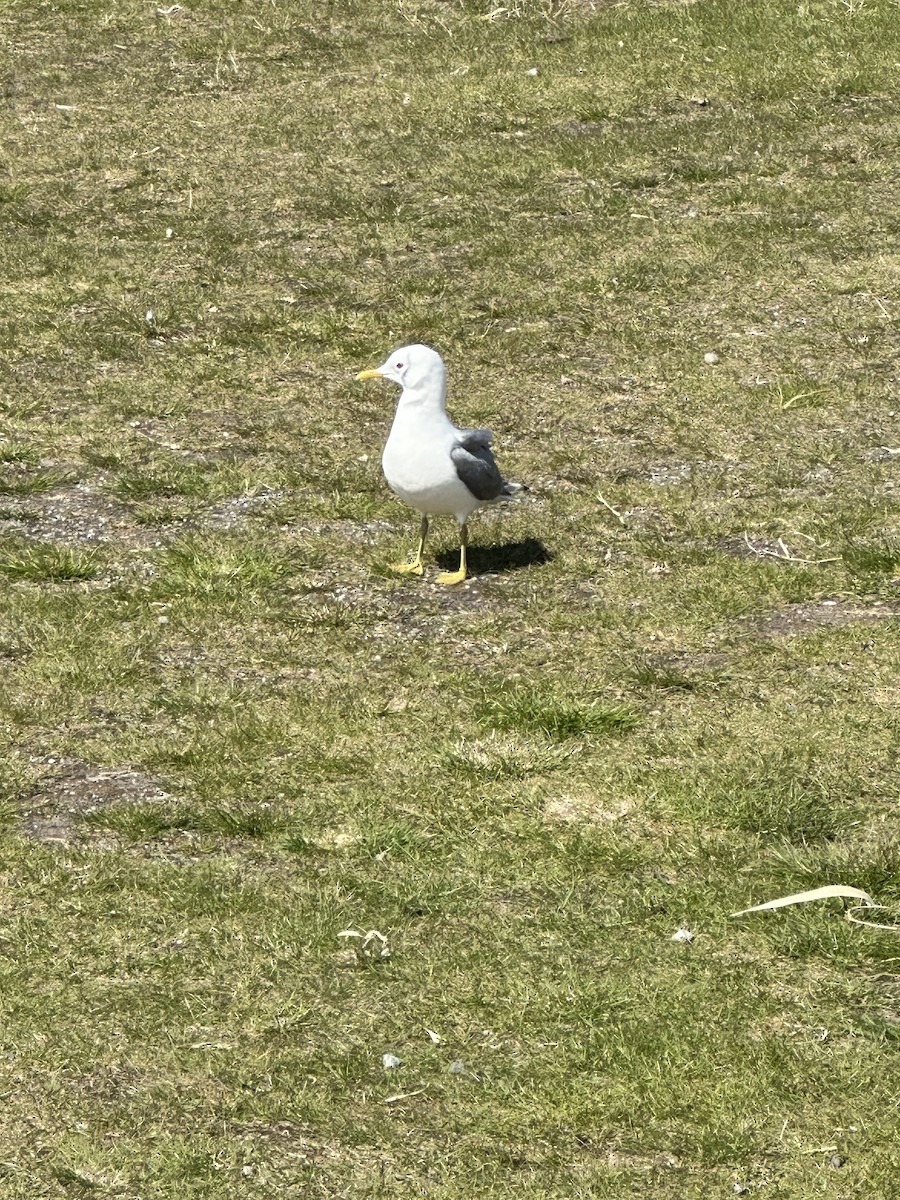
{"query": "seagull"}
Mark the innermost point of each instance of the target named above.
(435, 467)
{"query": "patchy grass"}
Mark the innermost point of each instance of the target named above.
(19, 482)
(651, 240)
(532, 711)
(46, 562)
(213, 569)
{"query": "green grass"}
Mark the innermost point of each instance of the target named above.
(17, 482)
(529, 710)
(46, 562)
(220, 570)
(228, 732)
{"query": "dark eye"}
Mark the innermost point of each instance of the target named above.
(399, 366)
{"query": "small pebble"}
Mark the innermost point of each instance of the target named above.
(533, 71)
(682, 935)
(740, 1189)
(836, 1160)
(390, 1061)
(711, 357)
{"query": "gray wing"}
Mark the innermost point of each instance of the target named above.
(475, 464)
(475, 439)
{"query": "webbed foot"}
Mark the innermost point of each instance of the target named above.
(409, 568)
(451, 577)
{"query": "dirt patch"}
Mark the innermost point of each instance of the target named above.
(798, 619)
(757, 548)
(282, 1145)
(641, 518)
(588, 805)
(74, 790)
(362, 533)
(234, 514)
(670, 474)
(74, 515)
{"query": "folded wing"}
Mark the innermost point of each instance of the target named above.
(475, 464)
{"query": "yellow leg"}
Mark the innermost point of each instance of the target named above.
(458, 576)
(415, 567)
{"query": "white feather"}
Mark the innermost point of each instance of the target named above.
(416, 460)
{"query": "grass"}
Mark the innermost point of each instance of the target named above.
(224, 571)
(21, 483)
(229, 733)
(46, 561)
(528, 710)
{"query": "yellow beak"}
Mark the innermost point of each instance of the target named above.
(369, 375)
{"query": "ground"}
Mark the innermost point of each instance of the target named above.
(656, 245)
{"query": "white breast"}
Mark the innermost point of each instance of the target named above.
(418, 467)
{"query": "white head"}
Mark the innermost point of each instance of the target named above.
(418, 369)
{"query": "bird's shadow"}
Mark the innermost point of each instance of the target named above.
(498, 560)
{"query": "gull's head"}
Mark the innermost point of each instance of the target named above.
(415, 368)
